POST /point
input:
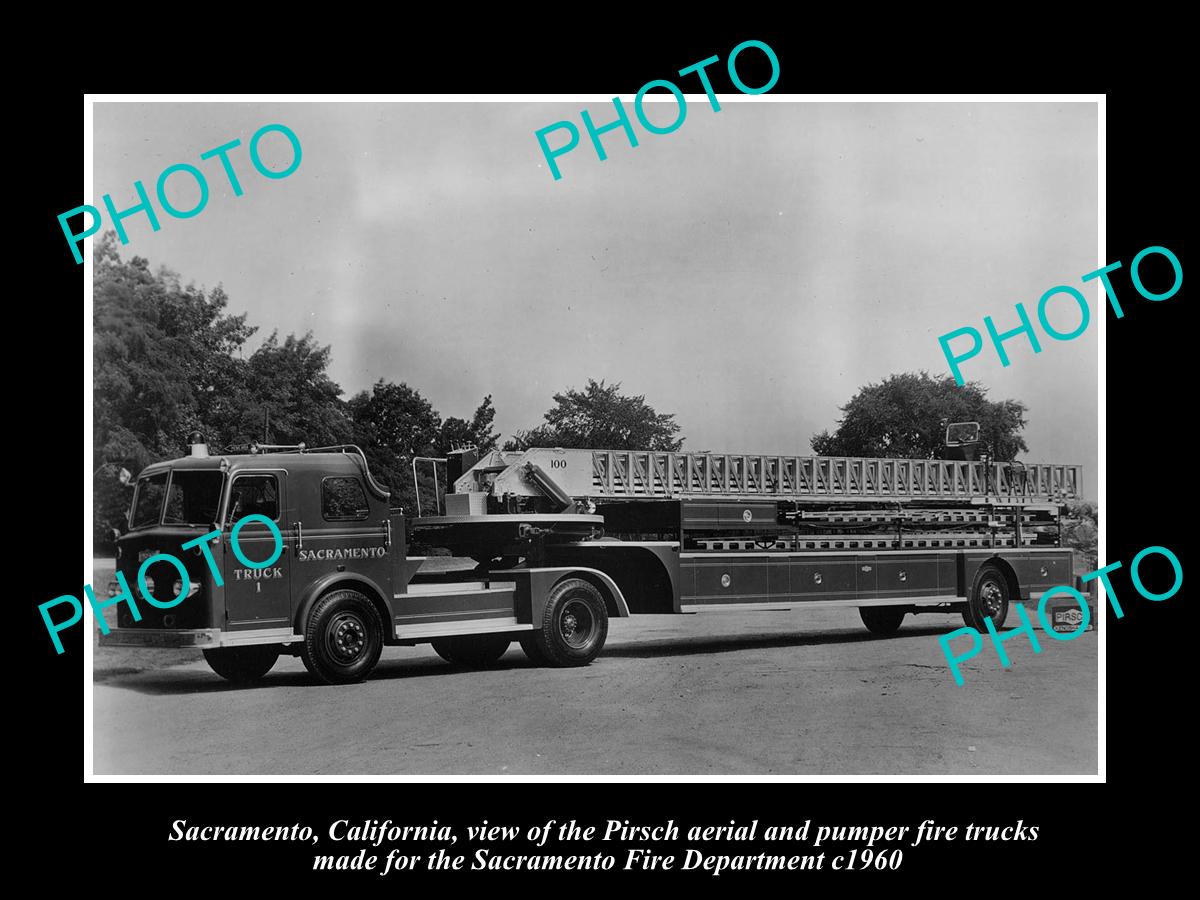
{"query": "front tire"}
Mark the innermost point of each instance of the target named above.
(574, 624)
(990, 597)
(242, 665)
(343, 638)
(882, 619)
(475, 651)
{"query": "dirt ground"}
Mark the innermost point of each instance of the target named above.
(776, 693)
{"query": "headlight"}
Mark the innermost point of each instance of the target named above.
(178, 586)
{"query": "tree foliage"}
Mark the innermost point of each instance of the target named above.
(169, 358)
(902, 415)
(393, 423)
(1080, 530)
(457, 433)
(601, 417)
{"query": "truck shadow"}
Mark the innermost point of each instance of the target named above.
(167, 682)
(701, 645)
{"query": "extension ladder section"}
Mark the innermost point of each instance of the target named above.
(639, 474)
(917, 541)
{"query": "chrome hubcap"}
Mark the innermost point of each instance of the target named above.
(992, 598)
(576, 623)
(346, 637)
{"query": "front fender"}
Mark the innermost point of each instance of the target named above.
(334, 580)
(534, 586)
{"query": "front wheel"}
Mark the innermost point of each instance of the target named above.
(574, 625)
(882, 619)
(343, 638)
(476, 651)
(242, 665)
(990, 598)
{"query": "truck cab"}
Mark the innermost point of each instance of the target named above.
(297, 551)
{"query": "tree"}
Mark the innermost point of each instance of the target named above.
(393, 423)
(902, 415)
(167, 361)
(287, 397)
(478, 432)
(603, 418)
(1080, 529)
(162, 353)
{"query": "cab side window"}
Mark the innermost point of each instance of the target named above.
(342, 499)
(254, 494)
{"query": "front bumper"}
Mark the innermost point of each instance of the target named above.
(195, 638)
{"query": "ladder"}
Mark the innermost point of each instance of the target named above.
(642, 474)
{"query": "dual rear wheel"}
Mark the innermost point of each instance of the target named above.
(573, 628)
(991, 595)
(572, 632)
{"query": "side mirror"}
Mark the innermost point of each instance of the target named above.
(114, 534)
(959, 433)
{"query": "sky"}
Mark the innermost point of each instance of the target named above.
(748, 272)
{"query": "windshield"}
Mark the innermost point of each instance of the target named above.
(147, 502)
(193, 497)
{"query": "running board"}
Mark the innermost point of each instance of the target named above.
(784, 605)
(468, 626)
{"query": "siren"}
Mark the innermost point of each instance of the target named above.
(198, 446)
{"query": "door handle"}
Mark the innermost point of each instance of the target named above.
(299, 536)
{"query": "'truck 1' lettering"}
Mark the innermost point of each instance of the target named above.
(185, 582)
(143, 204)
(623, 122)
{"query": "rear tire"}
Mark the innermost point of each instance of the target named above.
(882, 619)
(343, 638)
(574, 624)
(990, 596)
(242, 665)
(475, 651)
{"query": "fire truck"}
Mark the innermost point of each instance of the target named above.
(558, 541)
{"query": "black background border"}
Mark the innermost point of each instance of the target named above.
(1148, 692)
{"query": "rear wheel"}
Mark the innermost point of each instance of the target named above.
(343, 638)
(475, 651)
(990, 598)
(574, 625)
(242, 665)
(882, 619)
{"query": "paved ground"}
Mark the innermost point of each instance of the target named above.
(798, 692)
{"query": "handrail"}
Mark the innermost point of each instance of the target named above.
(378, 489)
(417, 488)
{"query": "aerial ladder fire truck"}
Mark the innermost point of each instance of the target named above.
(565, 539)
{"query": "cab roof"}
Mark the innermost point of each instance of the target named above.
(322, 463)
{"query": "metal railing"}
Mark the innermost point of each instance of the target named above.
(634, 474)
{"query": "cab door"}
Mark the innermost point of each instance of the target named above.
(258, 597)
(344, 531)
